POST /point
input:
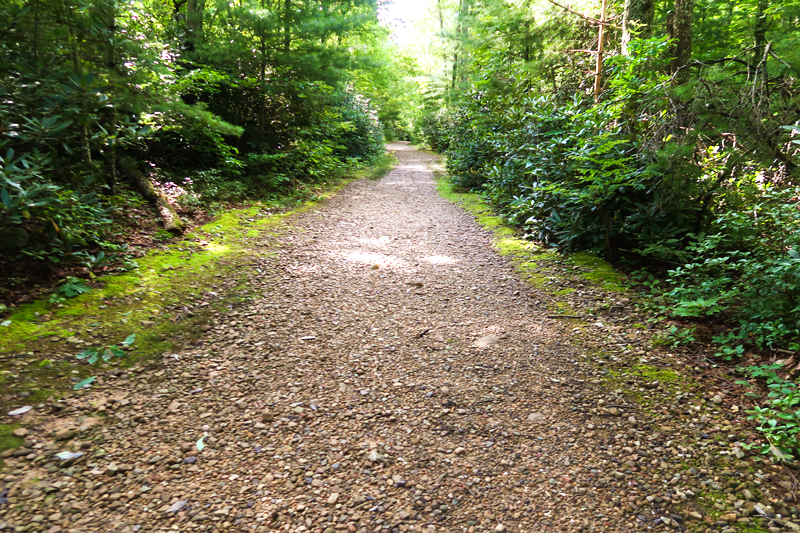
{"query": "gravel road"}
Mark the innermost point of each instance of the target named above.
(393, 375)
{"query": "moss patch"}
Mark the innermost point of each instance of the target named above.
(7, 438)
(598, 271)
(638, 379)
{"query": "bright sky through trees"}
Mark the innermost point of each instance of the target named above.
(401, 15)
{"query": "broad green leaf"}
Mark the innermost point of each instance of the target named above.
(128, 341)
(201, 444)
(84, 383)
(116, 351)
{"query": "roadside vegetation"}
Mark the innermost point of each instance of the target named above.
(674, 156)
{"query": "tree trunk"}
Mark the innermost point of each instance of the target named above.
(169, 218)
(641, 12)
(682, 32)
(287, 30)
(598, 69)
(459, 72)
(760, 30)
(194, 23)
(110, 17)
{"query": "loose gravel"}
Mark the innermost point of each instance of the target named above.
(392, 376)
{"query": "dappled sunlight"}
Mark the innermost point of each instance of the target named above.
(216, 248)
(373, 259)
(422, 167)
(366, 257)
(406, 185)
(305, 268)
(381, 241)
(440, 260)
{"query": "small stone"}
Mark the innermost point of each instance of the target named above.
(500, 528)
(533, 417)
(20, 432)
(717, 399)
(267, 417)
(66, 434)
(459, 451)
(333, 498)
(488, 340)
(177, 506)
(374, 456)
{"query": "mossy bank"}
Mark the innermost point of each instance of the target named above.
(165, 300)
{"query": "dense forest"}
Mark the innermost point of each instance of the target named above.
(661, 134)
(183, 104)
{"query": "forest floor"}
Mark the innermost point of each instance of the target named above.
(399, 367)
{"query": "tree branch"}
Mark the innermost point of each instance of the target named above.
(586, 17)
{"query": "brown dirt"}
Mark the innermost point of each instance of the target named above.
(394, 376)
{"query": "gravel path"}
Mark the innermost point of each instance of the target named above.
(394, 376)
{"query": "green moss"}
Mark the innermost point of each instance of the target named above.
(598, 271)
(7, 438)
(643, 374)
(652, 373)
(532, 261)
(134, 302)
(563, 308)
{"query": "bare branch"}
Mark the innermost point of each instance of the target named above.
(586, 17)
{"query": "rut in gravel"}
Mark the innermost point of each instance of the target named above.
(394, 376)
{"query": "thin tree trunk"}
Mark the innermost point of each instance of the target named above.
(111, 61)
(287, 30)
(194, 23)
(598, 69)
(640, 12)
(682, 32)
(760, 30)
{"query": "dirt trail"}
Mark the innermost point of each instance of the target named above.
(394, 376)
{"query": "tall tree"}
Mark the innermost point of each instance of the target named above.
(637, 17)
(682, 33)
